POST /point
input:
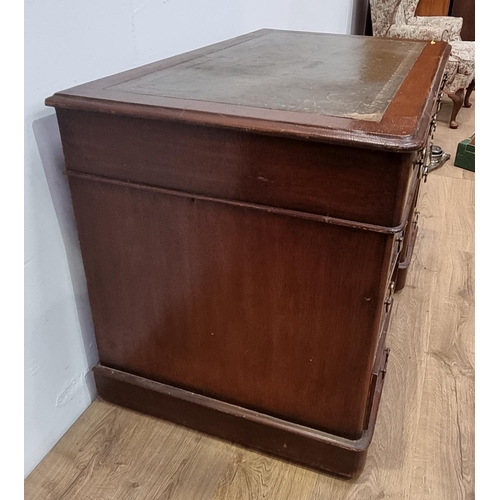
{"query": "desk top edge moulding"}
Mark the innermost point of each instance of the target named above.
(245, 213)
(190, 87)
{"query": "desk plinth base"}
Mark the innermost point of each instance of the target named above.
(303, 445)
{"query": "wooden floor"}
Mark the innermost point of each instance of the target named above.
(423, 447)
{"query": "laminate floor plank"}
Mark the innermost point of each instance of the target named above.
(444, 455)
(390, 460)
(423, 446)
(254, 476)
(124, 455)
(445, 444)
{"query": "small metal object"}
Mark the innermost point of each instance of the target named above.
(436, 153)
(425, 173)
(399, 241)
(421, 162)
(422, 154)
(384, 369)
(415, 218)
(433, 125)
(440, 98)
(389, 299)
(438, 157)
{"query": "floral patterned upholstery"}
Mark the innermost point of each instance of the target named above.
(396, 19)
(460, 67)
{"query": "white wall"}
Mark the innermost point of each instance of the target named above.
(333, 16)
(68, 43)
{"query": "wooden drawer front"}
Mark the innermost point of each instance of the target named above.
(411, 228)
(380, 361)
(378, 373)
(437, 107)
(397, 247)
(411, 231)
(355, 184)
(402, 238)
(386, 319)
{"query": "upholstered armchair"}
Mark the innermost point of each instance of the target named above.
(396, 19)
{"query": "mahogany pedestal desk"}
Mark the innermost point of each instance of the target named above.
(241, 211)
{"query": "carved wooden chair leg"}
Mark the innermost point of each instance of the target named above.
(468, 92)
(458, 100)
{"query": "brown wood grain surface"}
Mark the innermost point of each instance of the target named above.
(466, 9)
(207, 297)
(433, 8)
(423, 447)
(313, 177)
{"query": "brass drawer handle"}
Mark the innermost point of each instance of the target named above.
(433, 125)
(384, 368)
(420, 161)
(389, 299)
(415, 218)
(439, 101)
(425, 173)
(399, 241)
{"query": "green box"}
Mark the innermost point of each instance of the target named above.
(466, 152)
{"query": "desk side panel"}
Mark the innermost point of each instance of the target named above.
(274, 313)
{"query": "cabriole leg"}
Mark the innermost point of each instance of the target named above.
(468, 92)
(458, 100)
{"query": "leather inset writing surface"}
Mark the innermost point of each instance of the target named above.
(319, 74)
